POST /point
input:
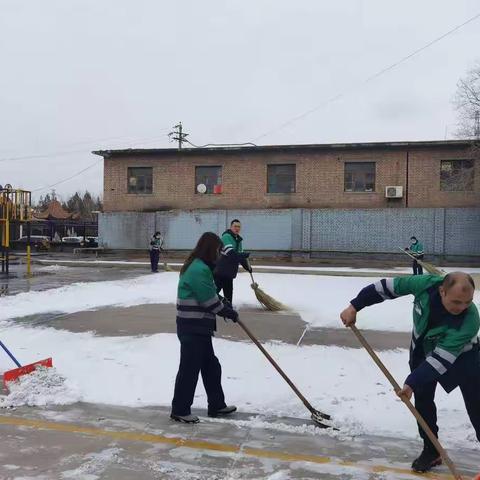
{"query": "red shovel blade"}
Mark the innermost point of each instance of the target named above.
(12, 375)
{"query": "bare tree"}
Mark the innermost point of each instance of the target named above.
(467, 103)
(460, 175)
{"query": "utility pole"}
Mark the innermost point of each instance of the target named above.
(178, 135)
(476, 127)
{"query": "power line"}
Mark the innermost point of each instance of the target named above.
(68, 178)
(250, 144)
(368, 79)
(134, 140)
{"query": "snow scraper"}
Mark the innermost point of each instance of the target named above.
(317, 416)
(12, 375)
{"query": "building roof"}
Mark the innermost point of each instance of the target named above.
(54, 211)
(284, 148)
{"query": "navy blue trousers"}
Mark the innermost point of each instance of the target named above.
(154, 258)
(197, 356)
(466, 374)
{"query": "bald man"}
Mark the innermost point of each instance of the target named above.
(444, 347)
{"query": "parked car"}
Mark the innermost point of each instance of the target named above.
(91, 242)
(38, 242)
(76, 241)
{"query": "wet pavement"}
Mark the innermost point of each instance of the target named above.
(45, 277)
(85, 441)
(286, 327)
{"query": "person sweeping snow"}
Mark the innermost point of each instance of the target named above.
(416, 250)
(197, 307)
(232, 255)
(444, 347)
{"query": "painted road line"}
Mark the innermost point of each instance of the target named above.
(136, 436)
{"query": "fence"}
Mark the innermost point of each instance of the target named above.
(443, 231)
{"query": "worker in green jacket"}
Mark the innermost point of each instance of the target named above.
(416, 250)
(197, 307)
(444, 347)
(232, 255)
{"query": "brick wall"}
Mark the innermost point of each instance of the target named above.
(319, 180)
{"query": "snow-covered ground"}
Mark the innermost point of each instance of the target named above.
(318, 299)
(141, 371)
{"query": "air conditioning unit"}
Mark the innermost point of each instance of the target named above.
(394, 192)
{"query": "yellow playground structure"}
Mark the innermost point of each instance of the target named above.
(15, 208)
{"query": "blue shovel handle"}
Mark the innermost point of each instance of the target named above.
(17, 363)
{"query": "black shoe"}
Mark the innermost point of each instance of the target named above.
(223, 411)
(185, 418)
(427, 460)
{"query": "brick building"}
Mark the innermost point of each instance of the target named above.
(431, 174)
(435, 177)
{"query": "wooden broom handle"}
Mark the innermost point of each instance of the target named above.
(250, 272)
(414, 258)
(408, 403)
(276, 366)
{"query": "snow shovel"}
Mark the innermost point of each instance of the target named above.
(317, 416)
(12, 375)
(441, 451)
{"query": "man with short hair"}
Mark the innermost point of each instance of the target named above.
(416, 250)
(444, 347)
(232, 255)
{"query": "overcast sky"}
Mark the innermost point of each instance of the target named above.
(77, 75)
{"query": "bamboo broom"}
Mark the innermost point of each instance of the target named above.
(432, 269)
(264, 299)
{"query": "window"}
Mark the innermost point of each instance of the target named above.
(281, 178)
(209, 176)
(456, 175)
(140, 180)
(359, 177)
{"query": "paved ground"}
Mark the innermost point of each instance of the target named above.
(45, 277)
(87, 442)
(160, 318)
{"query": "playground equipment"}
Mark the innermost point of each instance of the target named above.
(15, 208)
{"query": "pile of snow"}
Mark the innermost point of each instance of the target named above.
(44, 386)
(52, 269)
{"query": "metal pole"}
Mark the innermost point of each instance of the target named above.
(29, 249)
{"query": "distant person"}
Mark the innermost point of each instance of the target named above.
(197, 307)
(231, 256)
(156, 245)
(444, 348)
(416, 250)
